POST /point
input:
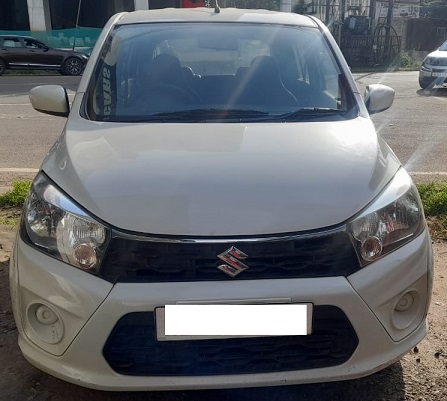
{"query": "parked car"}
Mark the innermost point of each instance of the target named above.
(27, 53)
(433, 70)
(218, 212)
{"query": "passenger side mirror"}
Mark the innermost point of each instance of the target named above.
(378, 98)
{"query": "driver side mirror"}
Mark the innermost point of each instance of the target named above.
(50, 99)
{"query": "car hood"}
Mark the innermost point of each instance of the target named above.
(438, 54)
(225, 179)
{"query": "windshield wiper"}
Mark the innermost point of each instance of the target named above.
(198, 116)
(310, 112)
(231, 115)
(203, 115)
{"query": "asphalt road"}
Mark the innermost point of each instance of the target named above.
(16, 85)
(415, 126)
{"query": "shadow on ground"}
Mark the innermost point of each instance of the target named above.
(437, 91)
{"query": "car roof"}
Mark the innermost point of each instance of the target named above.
(202, 14)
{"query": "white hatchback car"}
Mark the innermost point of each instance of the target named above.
(433, 70)
(218, 212)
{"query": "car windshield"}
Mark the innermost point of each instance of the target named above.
(230, 72)
(443, 46)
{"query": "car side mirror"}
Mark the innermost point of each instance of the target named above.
(378, 98)
(50, 99)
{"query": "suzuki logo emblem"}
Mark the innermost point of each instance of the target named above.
(232, 257)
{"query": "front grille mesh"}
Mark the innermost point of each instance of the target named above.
(132, 260)
(132, 349)
(439, 62)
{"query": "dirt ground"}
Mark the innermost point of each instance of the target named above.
(420, 375)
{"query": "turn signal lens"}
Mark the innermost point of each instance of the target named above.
(391, 221)
(85, 255)
(371, 248)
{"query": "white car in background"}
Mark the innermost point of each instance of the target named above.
(433, 70)
(218, 212)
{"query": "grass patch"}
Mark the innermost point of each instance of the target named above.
(9, 221)
(434, 198)
(17, 195)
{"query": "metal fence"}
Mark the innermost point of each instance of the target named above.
(370, 50)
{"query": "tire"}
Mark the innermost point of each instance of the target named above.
(427, 83)
(73, 66)
(2, 66)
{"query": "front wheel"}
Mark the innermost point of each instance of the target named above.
(73, 66)
(427, 83)
(2, 66)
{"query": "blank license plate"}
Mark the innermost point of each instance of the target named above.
(198, 322)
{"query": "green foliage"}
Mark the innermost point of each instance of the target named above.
(434, 198)
(404, 62)
(17, 195)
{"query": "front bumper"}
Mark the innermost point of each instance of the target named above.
(89, 309)
(436, 74)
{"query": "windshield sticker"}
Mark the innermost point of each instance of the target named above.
(106, 91)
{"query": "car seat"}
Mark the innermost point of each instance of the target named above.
(262, 85)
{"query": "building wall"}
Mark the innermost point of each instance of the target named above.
(61, 14)
(14, 15)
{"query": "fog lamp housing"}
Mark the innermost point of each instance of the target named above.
(45, 322)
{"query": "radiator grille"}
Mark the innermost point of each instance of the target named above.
(131, 260)
(132, 349)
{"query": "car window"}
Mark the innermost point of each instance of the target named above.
(154, 69)
(34, 44)
(11, 42)
(443, 46)
(31, 44)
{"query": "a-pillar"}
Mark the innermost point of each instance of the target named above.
(39, 15)
(141, 4)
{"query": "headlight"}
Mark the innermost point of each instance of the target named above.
(391, 221)
(58, 227)
(428, 61)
